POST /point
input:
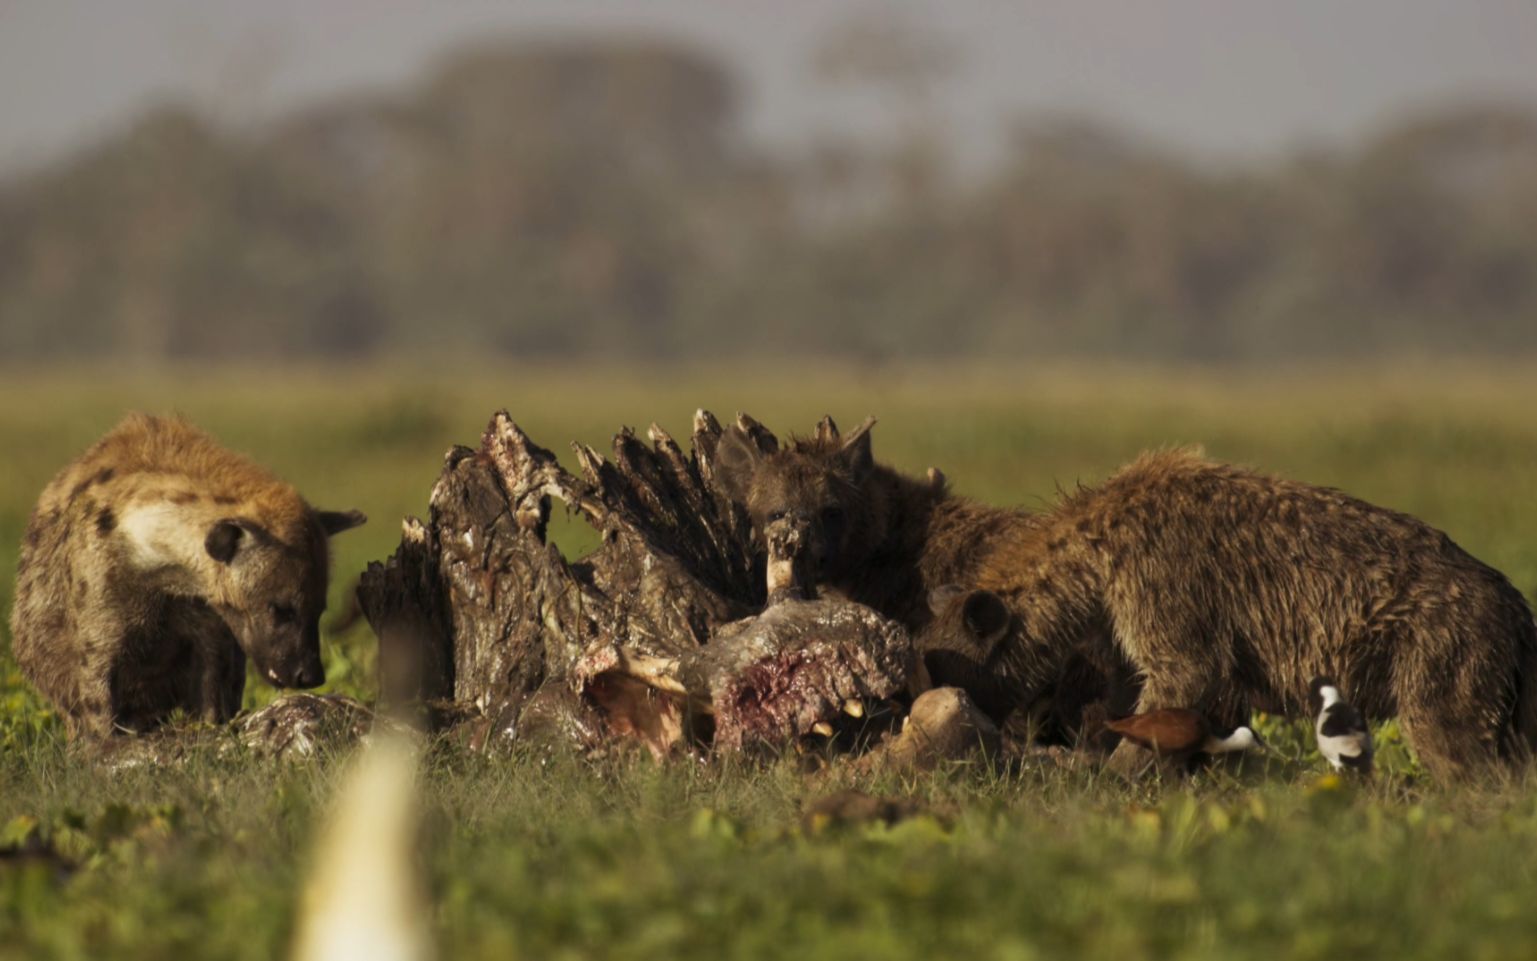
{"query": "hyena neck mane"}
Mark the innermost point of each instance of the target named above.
(1007, 616)
(835, 519)
(927, 537)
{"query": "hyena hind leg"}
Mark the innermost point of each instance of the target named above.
(1451, 741)
(1455, 691)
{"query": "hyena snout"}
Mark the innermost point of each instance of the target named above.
(796, 553)
(288, 657)
(309, 673)
(301, 669)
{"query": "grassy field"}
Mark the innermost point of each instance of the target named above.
(553, 860)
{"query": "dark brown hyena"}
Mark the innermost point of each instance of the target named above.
(878, 537)
(153, 565)
(1222, 589)
(1227, 590)
(888, 541)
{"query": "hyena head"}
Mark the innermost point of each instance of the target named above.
(271, 590)
(808, 503)
(970, 642)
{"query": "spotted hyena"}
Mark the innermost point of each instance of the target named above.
(153, 566)
(1227, 591)
(889, 541)
(1216, 587)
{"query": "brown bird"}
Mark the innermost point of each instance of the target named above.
(1180, 734)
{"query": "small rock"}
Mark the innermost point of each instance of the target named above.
(847, 808)
(943, 725)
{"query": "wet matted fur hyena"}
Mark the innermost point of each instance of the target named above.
(1223, 589)
(887, 541)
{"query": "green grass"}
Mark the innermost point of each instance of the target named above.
(536, 859)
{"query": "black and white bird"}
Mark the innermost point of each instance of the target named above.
(1343, 737)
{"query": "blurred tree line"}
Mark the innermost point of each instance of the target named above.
(591, 199)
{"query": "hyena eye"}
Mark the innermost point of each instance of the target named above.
(775, 517)
(284, 614)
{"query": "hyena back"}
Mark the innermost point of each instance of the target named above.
(153, 566)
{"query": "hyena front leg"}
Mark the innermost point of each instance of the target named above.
(221, 675)
(1157, 647)
(91, 706)
(212, 680)
(90, 715)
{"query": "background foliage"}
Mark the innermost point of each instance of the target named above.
(596, 198)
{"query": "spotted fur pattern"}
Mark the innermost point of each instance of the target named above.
(153, 566)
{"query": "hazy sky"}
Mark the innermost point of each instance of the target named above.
(1222, 77)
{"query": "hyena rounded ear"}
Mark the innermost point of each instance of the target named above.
(986, 617)
(223, 540)
(854, 455)
(736, 458)
(334, 522)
